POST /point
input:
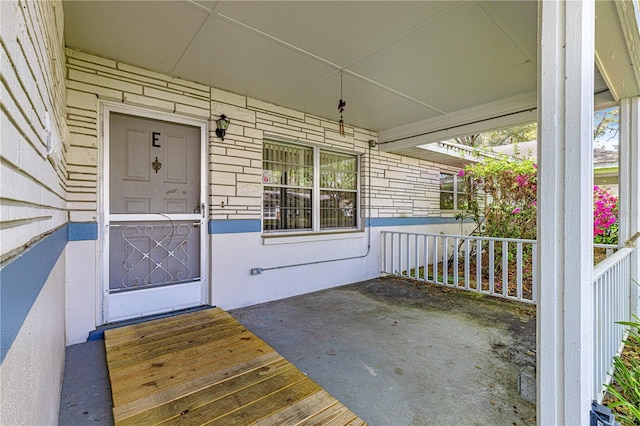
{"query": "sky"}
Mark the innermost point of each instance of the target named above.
(608, 140)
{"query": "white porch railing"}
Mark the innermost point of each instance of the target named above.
(612, 303)
(478, 264)
(501, 267)
(608, 249)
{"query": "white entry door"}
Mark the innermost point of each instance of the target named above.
(155, 218)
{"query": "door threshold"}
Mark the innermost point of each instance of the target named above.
(98, 333)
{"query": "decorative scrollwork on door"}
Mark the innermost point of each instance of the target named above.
(155, 254)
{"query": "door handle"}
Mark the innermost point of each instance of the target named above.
(199, 209)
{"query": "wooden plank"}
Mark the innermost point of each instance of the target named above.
(301, 410)
(162, 325)
(175, 373)
(143, 346)
(275, 401)
(207, 395)
(229, 342)
(174, 393)
(145, 341)
(346, 418)
(322, 418)
(159, 348)
(251, 399)
(205, 368)
(123, 333)
(132, 387)
(161, 332)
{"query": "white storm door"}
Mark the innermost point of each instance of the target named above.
(155, 217)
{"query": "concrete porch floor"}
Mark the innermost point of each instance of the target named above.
(394, 351)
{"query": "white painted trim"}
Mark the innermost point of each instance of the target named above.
(153, 217)
(625, 152)
(451, 125)
(315, 205)
(103, 311)
(618, 47)
(629, 186)
(565, 213)
(472, 121)
(459, 151)
(628, 15)
(155, 300)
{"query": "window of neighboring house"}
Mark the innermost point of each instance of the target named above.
(453, 192)
(308, 189)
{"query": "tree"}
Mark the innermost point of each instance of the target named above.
(510, 186)
(469, 140)
(509, 211)
(523, 133)
(605, 125)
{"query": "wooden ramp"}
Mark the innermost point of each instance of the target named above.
(206, 368)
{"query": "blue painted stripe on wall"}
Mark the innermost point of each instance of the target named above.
(405, 221)
(234, 226)
(21, 281)
(83, 231)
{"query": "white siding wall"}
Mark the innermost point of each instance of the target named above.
(81, 292)
(401, 186)
(33, 201)
(33, 189)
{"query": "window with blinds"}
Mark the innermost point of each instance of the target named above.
(308, 189)
(338, 190)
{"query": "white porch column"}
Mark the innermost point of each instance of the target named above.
(629, 186)
(565, 211)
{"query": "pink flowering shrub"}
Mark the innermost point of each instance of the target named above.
(501, 196)
(509, 206)
(502, 203)
(508, 187)
(605, 216)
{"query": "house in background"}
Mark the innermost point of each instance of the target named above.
(121, 195)
(453, 190)
(527, 149)
(605, 162)
(606, 170)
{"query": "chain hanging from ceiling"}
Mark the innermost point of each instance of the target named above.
(341, 105)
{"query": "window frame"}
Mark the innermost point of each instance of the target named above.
(316, 190)
(456, 192)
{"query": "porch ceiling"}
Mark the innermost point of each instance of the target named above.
(407, 66)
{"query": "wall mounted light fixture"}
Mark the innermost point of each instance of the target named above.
(222, 124)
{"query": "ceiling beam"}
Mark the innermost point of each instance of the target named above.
(497, 115)
(508, 112)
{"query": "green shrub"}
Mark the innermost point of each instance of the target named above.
(624, 390)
